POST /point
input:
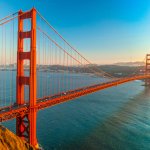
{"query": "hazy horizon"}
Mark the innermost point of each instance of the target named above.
(105, 32)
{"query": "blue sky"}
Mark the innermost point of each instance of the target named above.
(104, 31)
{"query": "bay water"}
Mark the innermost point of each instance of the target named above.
(117, 118)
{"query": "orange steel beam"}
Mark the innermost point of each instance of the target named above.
(87, 90)
(19, 83)
(32, 85)
(26, 124)
(11, 114)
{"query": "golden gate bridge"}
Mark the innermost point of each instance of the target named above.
(40, 69)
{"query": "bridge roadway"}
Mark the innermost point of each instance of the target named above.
(11, 112)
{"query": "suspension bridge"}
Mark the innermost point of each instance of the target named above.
(40, 69)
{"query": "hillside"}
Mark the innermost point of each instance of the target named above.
(9, 141)
(136, 63)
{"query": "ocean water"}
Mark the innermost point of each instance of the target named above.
(112, 119)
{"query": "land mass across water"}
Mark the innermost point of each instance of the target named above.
(121, 69)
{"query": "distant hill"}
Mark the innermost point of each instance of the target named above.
(122, 71)
(137, 63)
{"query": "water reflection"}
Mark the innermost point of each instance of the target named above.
(129, 128)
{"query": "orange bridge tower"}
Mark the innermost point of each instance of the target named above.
(26, 124)
(147, 69)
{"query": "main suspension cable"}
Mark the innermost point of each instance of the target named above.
(70, 45)
(8, 16)
(67, 52)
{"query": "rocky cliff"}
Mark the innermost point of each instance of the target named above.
(9, 141)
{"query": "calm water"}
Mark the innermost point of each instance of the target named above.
(113, 119)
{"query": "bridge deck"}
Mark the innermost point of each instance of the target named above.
(11, 112)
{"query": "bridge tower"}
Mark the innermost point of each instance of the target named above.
(147, 68)
(26, 124)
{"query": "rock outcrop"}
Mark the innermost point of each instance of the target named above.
(9, 141)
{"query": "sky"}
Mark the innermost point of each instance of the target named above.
(104, 31)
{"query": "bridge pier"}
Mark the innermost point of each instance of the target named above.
(26, 124)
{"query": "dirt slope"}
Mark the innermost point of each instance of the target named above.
(9, 141)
